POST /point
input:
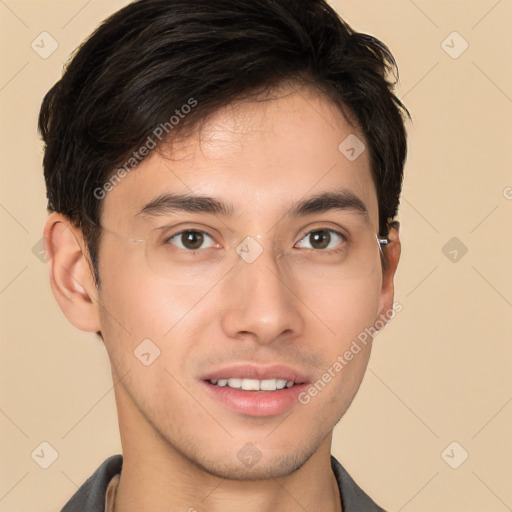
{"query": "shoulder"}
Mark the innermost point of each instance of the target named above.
(91, 495)
(353, 498)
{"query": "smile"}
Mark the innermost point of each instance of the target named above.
(254, 384)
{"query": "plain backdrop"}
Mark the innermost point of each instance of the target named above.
(438, 388)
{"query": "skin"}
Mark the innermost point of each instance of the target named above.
(180, 445)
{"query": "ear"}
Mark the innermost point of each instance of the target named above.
(392, 256)
(70, 272)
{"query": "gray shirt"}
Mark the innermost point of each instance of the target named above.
(91, 495)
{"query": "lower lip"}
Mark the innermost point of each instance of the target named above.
(256, 403)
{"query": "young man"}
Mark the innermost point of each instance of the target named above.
(221, 179)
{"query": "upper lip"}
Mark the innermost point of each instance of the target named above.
(252, 371)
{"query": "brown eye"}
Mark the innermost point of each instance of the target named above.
(321, 239)
(191, 240)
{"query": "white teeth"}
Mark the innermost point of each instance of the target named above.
(250, 384)
(235, 383)
(254, 384)
(268, 385)
(281, 383)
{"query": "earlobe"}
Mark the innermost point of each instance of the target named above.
(70, 274)
(392, 253)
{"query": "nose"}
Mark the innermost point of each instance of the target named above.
(260, 301)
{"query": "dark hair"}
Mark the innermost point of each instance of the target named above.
(154, 56)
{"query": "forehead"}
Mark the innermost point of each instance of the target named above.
(257, 156)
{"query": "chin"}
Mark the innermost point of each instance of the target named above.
(255, 461)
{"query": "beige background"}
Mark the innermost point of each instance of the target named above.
(440, 372)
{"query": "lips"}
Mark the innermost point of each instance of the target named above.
(260, 373)
(252, 390)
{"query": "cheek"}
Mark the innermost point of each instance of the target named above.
(348, 312)
(141, 306)
(344, 310)
(343, 313)
(140, 302)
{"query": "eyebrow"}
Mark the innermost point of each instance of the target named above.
(320, 203)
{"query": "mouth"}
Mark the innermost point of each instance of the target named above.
(255, 390)
(253, 384)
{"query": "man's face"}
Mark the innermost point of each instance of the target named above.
(287, 313)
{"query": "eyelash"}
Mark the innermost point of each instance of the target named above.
(316, 230)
